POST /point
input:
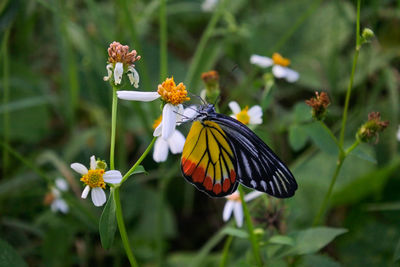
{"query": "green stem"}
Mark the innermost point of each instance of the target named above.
(6, 96)
(113, 126)
(122, 229)
(353, 69)
(352, 147)
(225, 252)
(331, 135)
(250, 229)
(138, 161)
(163, 40)
(203, 42)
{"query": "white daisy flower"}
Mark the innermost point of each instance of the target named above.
(173, 96)
(54, 198)
(95, 180)
(235, 205)
(246, 116)
(120, 61)
(209, 5)
(279, 66)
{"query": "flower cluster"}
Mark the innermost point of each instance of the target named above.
(252, 116)
(54, 197)
(319, 105)
(279, 66)
(372, 128)
(234, 204)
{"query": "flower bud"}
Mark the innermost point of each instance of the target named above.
(367, 35)
(211, 80)
(319, 105)
(371, 128)
(101, 164)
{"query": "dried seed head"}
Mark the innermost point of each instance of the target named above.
(319, 105)
(372, 128)
(120, 53)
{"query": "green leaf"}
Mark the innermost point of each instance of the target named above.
(297, 136)
(282, 240)
(108, 224)
(139, 169)
(235, 232)
(312, 240)
(302, 113)
(321, 138)
(364, 152)
(396, 255)
(8, 256)
(318, 260)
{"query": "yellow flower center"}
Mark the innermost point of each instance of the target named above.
(243, 116)
(172, 93)
(279, 60)
(94, 178)
(157, 122)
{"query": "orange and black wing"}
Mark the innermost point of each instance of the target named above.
(208, 161)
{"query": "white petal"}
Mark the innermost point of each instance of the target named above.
(85, 192)
(160, 152)
(118, 71)
(61, 184)
(176, 142)
(238, 213)
(112, 177)
(398, 134)
(255, 113)
(138, 96)
(291, 75)
(179, 114)
(60, 204)
(279, 71)
(203, 94)
(79, 168)
(109, 72)
(234, 106)
(261, 61)
(93, 163)
(98, 196)
(227, 212)
(133, 76)
(158, 130)
(189, 113)
(252, 195)
(168, 120)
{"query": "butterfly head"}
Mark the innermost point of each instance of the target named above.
(205, 111)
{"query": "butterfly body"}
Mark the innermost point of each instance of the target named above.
(221, 152)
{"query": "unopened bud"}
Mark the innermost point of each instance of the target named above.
(211, 80)
(101, 164)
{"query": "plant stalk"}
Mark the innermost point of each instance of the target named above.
(113, 126)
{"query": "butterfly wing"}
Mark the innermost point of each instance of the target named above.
(208, 161)
(257, 165)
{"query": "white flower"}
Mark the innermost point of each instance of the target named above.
(246, 116)
(235, 205)
(279, 66)
(57, 202)
(398, 134)
(174, 143)
(173, 96)
(209, 5)
(95, 180)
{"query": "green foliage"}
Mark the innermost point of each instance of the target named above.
(108, 222)
(9, 257)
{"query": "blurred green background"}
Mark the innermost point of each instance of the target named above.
(56, 110)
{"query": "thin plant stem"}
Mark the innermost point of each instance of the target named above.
(122, 229)
(250, 229)
(225, 251)
(353, 69)
(6, 96)
(113, 126)
(131, 170)
(343, 154)
(163, 40)
(331, 135)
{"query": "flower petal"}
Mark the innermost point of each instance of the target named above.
(227, 212)
(234, 106)
(179, 114)
(98, 196)
(109, 72)
(291, 75)
(158, 130)
(168, 120)
(189, 113)
(138, 96)
(279, 71)
(261, 61)
(398, 134)
(112, 177)
(61, 184)
(85, 192)
(118, 71)
(79, 168)
(93, 163)
(133, 76)
(160, 152)
(255, 113)
(252, 195)
(238, 213)
(176, 142)
(59, 204)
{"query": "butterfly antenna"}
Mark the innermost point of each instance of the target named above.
(199, 97)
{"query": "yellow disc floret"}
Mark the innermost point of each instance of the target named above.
(243, 116)
(172, 93)
(94, 178)
(279, 60)
(157, 122)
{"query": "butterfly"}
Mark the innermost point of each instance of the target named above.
(220, 152)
